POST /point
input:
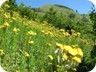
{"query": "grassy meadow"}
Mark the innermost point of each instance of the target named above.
(29, 46)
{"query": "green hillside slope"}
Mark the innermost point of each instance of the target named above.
(60, 9)
(30, 46)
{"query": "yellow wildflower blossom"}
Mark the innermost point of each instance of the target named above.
(62, 30)
(16, 29)
(59, 45)
(26, 25)
(65, 57)
(17, 70)
(6, 24)
(73, 52)
(67, 48)
(66, 71)
(6, 6)
(1, 52)
(70, 50)
(49, 44)
(1, 26)
(26, 54)
(43, 31)
(31, 42)
(80, 53)
(46, 33)
(78, 34)
(49, 63)
(74, 46)
(58, 66)
(66, 34)
(72, 30)
(49, 33)
(50, 57)
(6, 16)
(74, 69)
(77, 59)
(31, 33)
(13, 18)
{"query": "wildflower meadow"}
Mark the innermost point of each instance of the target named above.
(30, 46)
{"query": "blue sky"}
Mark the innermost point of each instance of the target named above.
(83, 6)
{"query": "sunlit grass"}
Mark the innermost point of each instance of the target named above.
(25, 46)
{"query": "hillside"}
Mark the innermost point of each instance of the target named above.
(60, 9)
(65, 18)
(27, 45)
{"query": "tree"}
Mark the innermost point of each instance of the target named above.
(72, 15)
(12, 5)
(84, 18)
(26, 11)
(93, 19)
(50, 16)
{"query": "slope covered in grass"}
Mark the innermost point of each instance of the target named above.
(65, 11)
(25, 45)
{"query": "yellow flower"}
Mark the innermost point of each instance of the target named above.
(6, 16)
(74, 46)
(26, 54)
(74, 69)
(66, 71)
(78, 34)
(59, 45)
(67, 48)
(46, 33)
(1, 52)
(73, 52)
(25, 25)
(77, 59)
(16, 29)
(72, 30)
(1, 26)
(49, 63)
(65, 57)
(80, 53)
(6, 24)
(49, 33)
(66, 34)
(31, 42)
(62, 30)
(58, 66)
(43, 31)
(70, 50)
(49, 44)
(50, 57)
(31, 33)
(17, 70)
(6, 6)
(13, 18)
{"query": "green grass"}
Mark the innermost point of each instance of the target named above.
(15, 44)
(61, 10)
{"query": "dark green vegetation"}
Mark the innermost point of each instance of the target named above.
(47, 21)
(66, 18)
